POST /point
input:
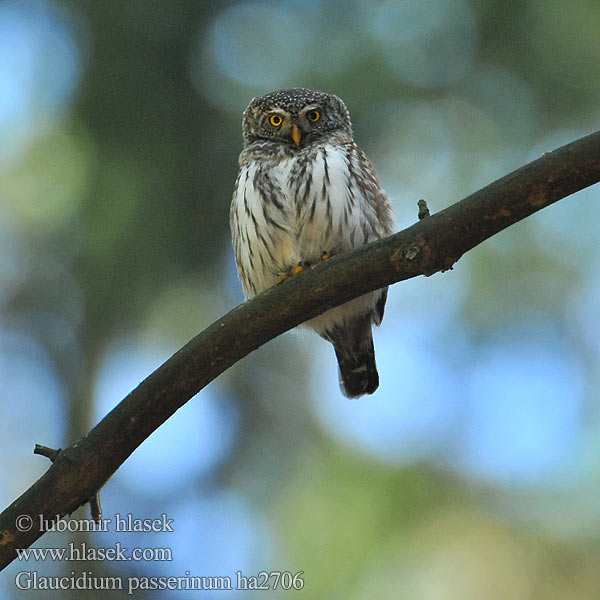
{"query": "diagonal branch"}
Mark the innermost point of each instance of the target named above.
(431, 245)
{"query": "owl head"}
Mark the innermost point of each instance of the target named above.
(296, 117)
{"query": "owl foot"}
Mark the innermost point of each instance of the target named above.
(325, 255)
(297, 269)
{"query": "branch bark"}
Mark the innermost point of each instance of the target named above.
(431, 245)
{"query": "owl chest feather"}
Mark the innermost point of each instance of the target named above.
(293, 208)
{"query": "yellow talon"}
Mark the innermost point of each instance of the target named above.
(324, 255)
(297, 269)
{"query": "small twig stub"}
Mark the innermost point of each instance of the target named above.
(423, 209)
(50, 453)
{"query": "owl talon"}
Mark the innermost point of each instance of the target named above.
(297, 269)
(325, 255)
(303, 264)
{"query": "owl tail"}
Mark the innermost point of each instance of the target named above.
(358, 373)
(356, 358)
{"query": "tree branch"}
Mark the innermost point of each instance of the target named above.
(433, 244)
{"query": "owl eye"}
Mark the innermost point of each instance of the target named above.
(275, 120)
(313, 115)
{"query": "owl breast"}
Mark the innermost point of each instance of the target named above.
(296, 206)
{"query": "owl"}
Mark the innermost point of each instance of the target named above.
(305, 191)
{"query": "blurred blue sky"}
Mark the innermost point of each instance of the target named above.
(40, 66)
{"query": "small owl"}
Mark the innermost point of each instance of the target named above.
(305, 191)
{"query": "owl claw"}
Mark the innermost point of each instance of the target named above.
(297, 269)
(303, 264)
(325, 255)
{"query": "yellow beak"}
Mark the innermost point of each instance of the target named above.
(296, 135)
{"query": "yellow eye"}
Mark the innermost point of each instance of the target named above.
(313, 115)
(275, 120)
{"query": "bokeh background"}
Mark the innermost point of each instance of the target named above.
(474, 471)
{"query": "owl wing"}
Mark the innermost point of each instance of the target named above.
(376, 210)
(379, 216)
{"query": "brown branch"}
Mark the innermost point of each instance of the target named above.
(431, 245)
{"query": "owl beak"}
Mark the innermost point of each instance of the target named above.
(296, 134)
